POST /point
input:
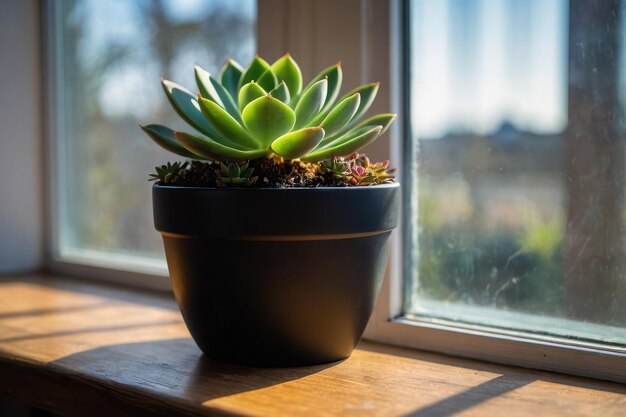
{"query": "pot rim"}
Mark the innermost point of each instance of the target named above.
(303, 211)
(264, 189)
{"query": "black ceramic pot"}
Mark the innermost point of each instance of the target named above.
(276, 277)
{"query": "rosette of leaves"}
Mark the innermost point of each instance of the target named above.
(265, 110)
(362, 172)
(336, 167)
(357, 170)
(165, 173)
(235, 174)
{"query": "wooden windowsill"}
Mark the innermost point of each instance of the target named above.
(80, 349)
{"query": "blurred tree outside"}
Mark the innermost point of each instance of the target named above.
(114, 54)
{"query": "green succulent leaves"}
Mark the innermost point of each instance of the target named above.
(311, 102)
(268, 118)
(383, 120)
(281, 92)
(297, 143)
(341, 114)
(287, 70)
(254, 71)
(268, 80)
(248, 93)
(209, 149)
(368, 94)
(211, 89)
(226, 126)
(230, 76)
(352, 143)
(187, 107)
(334, 76)
(236, 174)
(164, 137)
(251, 113)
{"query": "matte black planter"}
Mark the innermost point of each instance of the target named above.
(276, 277)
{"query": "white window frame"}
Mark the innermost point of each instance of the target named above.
(374, 42)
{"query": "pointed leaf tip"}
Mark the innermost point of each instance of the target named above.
(254, 70)
(164, 137)
(385, 120)
(248, 93)
(230, 74)
(334, 77)
(286, 69)
(368, 93)
(186, 105)
(341, 114)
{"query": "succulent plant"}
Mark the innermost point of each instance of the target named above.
(264, 110)
(235, 174)
(371, 174)
(336, 167)
(357, 170)
(165, 173)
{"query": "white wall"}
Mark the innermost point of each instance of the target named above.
(21, 200)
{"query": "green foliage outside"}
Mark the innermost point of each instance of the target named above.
(512, 269)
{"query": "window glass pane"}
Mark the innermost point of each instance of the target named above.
(517, 121)
(109, 57)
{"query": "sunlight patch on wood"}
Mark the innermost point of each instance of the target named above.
(42, 324)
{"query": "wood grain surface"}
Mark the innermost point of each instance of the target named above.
(84, 349)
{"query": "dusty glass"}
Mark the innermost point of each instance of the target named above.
(517, 163)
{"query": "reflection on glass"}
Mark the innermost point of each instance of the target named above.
(518, 127)
(113, 53)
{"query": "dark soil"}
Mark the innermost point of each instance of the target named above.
(270, 173)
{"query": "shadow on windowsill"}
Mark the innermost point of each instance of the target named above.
(174, 369)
